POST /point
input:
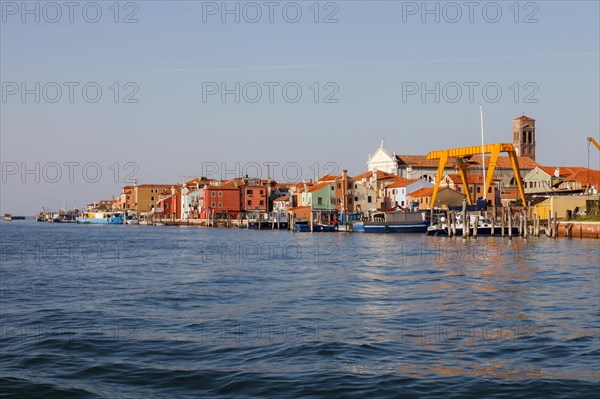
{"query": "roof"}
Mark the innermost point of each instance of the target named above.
(422, 192)
(319, 186)
(471, 178)
(586, 177)
(283, 198)
(524, 117)
(381, 175)
(402, 182)
(503, 162)
(329, 178)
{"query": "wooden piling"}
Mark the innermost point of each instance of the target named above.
(503, 220)
(525, 223)
(555, 225)
(476, 222)
(448, 222)
(465, 220)
(493, 220)
(509, 216)
(312, 221)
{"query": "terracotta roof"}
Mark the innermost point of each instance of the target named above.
(524, 117)
(366, 175)
(380, 175)
(503, 162)
(329, 178)
(420, 161)
(586, 177)
(471, 178)
(283, 198)
(422, 192)
(402, 182)
(319, 186)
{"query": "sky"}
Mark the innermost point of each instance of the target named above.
(98, 94)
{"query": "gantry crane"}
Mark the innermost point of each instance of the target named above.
(464, 154)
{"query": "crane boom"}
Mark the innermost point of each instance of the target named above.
(594, 142)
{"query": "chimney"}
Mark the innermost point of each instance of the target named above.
(557, 172)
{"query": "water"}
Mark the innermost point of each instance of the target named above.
(148, 312)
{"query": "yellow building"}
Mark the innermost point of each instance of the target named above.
(561, 204)
(145, 196)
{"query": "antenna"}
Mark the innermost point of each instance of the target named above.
(483, 152)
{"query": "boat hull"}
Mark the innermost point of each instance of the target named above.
(113, 220)
(316, 228)
(377, 227)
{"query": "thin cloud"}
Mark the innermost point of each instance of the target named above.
(378, 63)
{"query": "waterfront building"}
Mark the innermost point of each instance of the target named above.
(395, 193)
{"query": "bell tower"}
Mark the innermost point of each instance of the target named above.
(523, 129)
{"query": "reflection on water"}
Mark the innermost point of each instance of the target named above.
(159, 303)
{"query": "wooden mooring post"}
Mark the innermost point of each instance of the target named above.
(509, 216)
(465, 220)
(475, 223)
(503, 221)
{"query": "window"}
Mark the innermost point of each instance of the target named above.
(332, 200)
(458, 188)
(350, 200)
(340, 186)
(262, 202)
(212, 204)
(220, 204)
(478, 190)
(213, 194)
(151, 198)
(332, 187)
(249, 192)
(401, 203)
(355, 198)
(369, 199)
(261, 192)
(249, 202)
(220, 193)
(489, 189)
(320, 201)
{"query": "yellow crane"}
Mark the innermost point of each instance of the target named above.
(594, 142)
(463, 154)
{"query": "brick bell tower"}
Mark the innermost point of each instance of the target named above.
(523, 129)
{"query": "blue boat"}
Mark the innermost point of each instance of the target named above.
(102, 218)
(304, 226)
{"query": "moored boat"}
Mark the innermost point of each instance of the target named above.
(102, 218)
(394, 222)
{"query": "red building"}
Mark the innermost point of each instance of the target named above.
(222, 200)
(169, 206)
(255, 198)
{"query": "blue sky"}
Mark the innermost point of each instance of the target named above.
(546, 65)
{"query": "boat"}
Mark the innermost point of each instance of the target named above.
(394, 222)
(304, 226)
(268, 221)
(102, 218)
(8, 217)
(485, 227)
